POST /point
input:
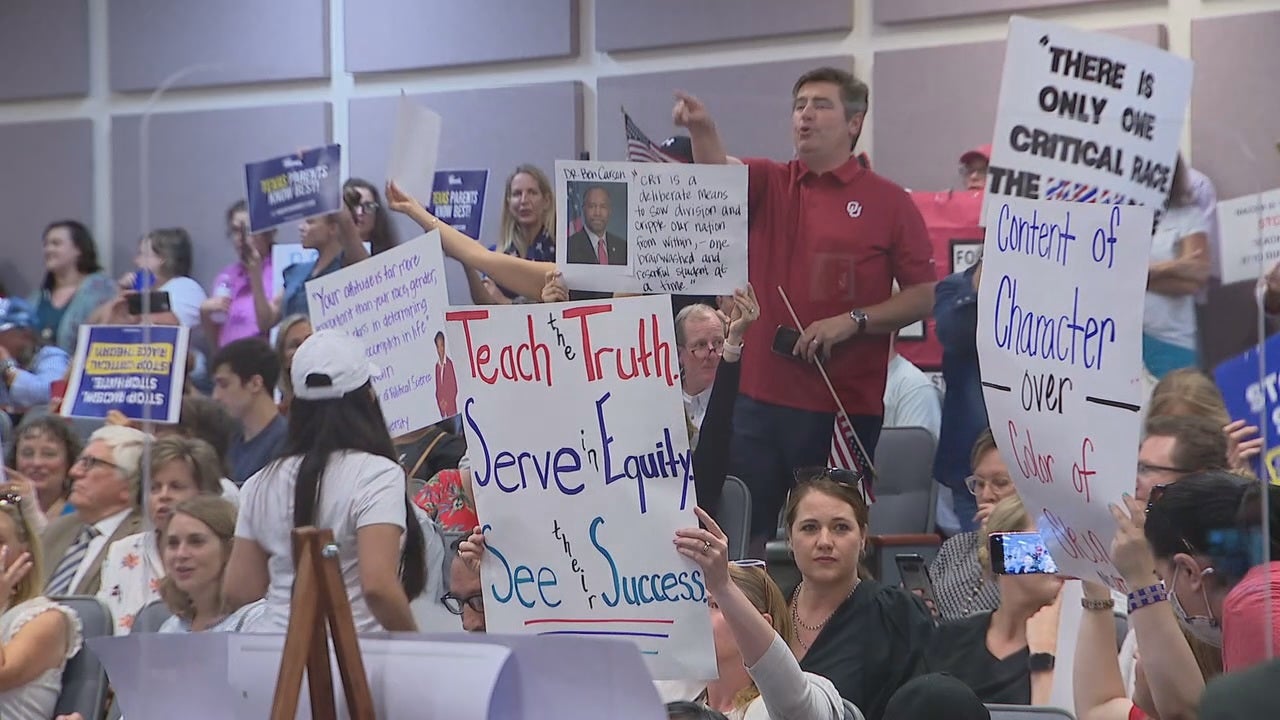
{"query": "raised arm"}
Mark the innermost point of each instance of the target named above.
(691, 114)
(524, 277)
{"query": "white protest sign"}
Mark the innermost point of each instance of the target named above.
(1250, 230)
(1086, 117)
(414, 148)
(582, 472)
(394, 302)
(666, 228)
(1060, 311)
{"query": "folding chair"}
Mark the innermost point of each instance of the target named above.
(150, 617)
(902, 518)
(84, 682)
(734, 516)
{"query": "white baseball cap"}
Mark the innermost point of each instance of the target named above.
(328, 365)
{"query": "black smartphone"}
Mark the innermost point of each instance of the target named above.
(159, 302)
(784, 341)
(914, 572)
(1021, 553)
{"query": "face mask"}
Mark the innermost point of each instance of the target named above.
(1205, 629)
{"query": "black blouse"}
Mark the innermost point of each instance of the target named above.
(871, 646)
(711, 456)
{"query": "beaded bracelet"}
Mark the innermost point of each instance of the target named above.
(1149, 595)
(1091, 604)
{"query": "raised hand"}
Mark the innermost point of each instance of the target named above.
(555, 290)
(745, 311)
(689, 112)
(708, 548)
(472, 549)
(399, 200)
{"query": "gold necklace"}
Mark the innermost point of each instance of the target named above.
(795, 612)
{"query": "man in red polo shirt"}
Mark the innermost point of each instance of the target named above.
(834, 236)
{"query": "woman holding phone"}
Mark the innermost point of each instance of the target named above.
(241, 303)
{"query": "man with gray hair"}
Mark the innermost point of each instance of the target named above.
(700, 332)
(106, 481)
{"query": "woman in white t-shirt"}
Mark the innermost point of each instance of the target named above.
(1179, 269)
(337, 470)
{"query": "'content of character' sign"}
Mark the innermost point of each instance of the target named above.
(582, 473)
(646, 228)
(1060, 306)
(293, 187)
(394, 302)
(136, 370)
(1250, 230)
(1086, 117)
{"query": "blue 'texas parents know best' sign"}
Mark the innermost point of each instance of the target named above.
(293, 187)
(457, 197)
(1248, 394)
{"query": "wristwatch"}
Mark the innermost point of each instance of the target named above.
(860, 318)
(1041, 662)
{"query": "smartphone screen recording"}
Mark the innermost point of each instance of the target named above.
(1020, 553)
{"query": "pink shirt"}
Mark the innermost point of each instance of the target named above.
(242, 319)
(1250, 613)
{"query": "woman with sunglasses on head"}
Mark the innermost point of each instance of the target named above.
(37, 636)
(758, 675)
(959, 582)
(867, 638)
(1006, 655)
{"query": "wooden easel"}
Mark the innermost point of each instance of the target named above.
(320, 607)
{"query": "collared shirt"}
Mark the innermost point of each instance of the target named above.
(695, 406)
(30, 387)
(106, 527)
(834, 242)
(964, 411)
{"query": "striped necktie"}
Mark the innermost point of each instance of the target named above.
(60, 580)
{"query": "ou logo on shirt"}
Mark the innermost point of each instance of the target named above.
(854, 208)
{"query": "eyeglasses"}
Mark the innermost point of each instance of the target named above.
(368, 207)
(976, 483)
(702, 350)
(1147, 469)
(91, 463)
(455, 604)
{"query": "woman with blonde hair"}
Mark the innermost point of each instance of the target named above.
(197, 546)
(292, 331)
(1005, 655)
(528, 227)
(37, 635)
(181, 468)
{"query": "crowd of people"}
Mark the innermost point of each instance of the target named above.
(194, 519)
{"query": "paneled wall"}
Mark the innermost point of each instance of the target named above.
(520, 81)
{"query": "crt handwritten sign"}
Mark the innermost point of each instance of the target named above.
(582, 473)
(1086, 117)
(138, 371)
(1060, 343)
(394, 303)
(683, 228)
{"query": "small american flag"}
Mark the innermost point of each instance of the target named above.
(639, 147)
(847, 453)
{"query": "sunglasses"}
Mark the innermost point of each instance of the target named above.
(748, 563)
(849, 478)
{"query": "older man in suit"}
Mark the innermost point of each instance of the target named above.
(594, 244)
(104, 492)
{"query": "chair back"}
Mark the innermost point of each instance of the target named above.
(84, 682)
(1028, 712)
(734, 516)
(905, 490)
(151, 617)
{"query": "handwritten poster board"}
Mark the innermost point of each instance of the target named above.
(646, 228)
(457, 197)
(582, 473)
(394, 302)
(1060, 344)
(138, 371)
(293, 187)
(1251, 398)
(1086, 117)
(1250, 230)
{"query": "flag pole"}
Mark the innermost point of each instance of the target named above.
(862, 450)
